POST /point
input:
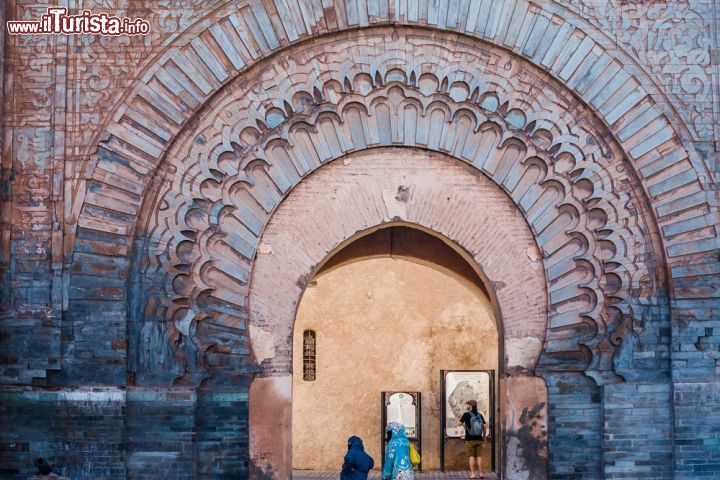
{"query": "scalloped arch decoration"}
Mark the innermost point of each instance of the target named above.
(226, 175)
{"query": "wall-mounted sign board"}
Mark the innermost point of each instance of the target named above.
(457, 387)
(405, 408)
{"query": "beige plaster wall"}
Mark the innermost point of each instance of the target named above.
(382, 324)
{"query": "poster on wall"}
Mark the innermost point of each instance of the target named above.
(401, 408)
(461, 386)
(406, 408)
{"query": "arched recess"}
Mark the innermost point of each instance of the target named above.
(355, 196)
(589, 195)
(208, 58)
(400, 290)
(251, 146)
(239, 35)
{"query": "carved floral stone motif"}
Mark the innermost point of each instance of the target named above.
(673, 40)
(105, 68)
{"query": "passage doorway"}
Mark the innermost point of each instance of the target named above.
(388, 312)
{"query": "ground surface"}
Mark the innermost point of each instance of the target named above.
(314, 475)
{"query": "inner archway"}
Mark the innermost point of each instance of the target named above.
(388, 312)
(378, 188)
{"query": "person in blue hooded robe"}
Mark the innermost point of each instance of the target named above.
(397, 455)
(357, 463)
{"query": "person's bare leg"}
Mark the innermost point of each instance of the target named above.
(471, 461)
(479, 467)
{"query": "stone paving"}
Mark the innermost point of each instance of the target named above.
(375, 475)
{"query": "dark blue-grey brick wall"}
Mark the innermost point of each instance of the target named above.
(115, 433)
(697, 430)
(574, 426)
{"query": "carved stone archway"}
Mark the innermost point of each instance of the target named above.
(589, 194)
(381, 187)
(225, 177)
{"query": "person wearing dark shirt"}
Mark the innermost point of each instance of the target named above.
(357, 463)
(474, 441)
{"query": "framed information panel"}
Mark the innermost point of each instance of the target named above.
(402, 407)
(457, 387)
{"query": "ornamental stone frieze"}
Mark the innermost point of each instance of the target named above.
(674, 42)
(165, 200)
(246, 150)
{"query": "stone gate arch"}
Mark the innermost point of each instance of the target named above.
(377, 188)
(225, 177)
(251, 147)
(607, 205)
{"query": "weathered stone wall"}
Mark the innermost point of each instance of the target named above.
(575, 429)
(118, 433)
(93, 128)
(637, 420)
(159, 432)
(80, 432)
(695, 434)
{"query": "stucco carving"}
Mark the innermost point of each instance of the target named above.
(102, 68)
(673, 40)
(208, 56)
(228, 173)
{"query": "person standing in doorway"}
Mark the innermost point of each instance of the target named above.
(476, 429)
(397, 455)
(357, 463)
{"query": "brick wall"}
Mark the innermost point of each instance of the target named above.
(222, 435)
(160, 434)
(112, 433)
(80, 433)
(697, 429)
(637, 435)
(574, 426)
